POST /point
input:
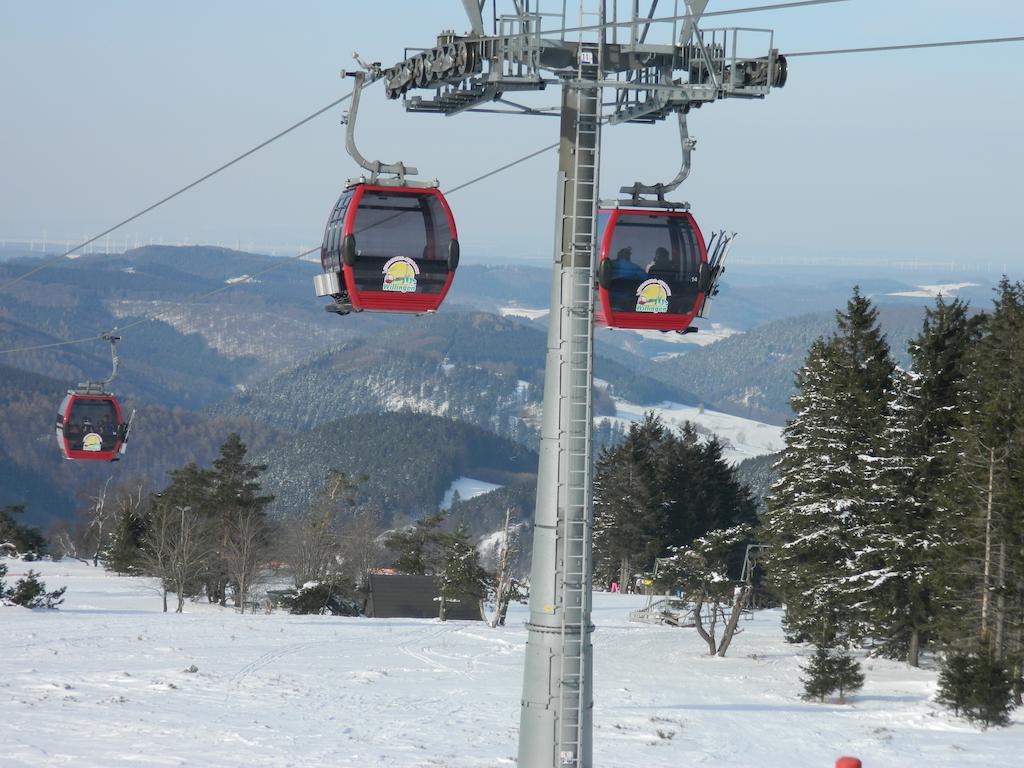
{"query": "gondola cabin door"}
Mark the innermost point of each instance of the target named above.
(649, 268)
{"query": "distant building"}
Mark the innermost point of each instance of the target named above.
(412, 597)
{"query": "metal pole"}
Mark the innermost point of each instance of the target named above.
(556, 719)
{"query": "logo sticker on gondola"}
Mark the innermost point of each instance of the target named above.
(652, 296)
(400, 275)
(92, 442)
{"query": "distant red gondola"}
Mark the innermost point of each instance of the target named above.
(90, 427)
(653, 271)
(388, 249)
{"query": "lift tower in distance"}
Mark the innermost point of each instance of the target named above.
(654, 66)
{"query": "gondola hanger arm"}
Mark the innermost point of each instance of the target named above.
(102, 386)
(687, 144)
(372, 73)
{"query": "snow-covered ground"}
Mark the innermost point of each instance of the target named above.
(708, 334)
(468, 487)
(101, 683)
(744, 437)
(931, 291)
(526, 312)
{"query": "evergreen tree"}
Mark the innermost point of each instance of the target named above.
(421, 548)
(819, 509)
(956, 681)
(819, 682)
(847, 674)
(124, 552)
(829, 670)
(24, 538)
(234, 495)
(904, 529)
(461, 576)
(660, 489)
(628, 504)
(976, 684)
(30, 592)
(981, 500)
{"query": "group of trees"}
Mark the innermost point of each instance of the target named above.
(668, 497)
(898, 514)
(432, 547)
(204, 533)
(660, 489)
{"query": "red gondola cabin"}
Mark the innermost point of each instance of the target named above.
(653, 265)
(90, 427)
(388, 249)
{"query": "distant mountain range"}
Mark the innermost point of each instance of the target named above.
(408, 459)
(261, 357)
(752, 374)
(478, 368)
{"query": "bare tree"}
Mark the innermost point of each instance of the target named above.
(312, 545)
(503, 590)
(699, 570)
(158, 547)
(241, 553)
(319, 541)
(99, 516)
(176, 550)
(360, 545)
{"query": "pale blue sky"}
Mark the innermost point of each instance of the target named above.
(108, 106)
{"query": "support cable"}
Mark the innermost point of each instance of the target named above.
(251, 278)
(909, 46)
(180, 191)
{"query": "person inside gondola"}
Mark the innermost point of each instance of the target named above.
(626, 276)
(663, 266)
(623, 267)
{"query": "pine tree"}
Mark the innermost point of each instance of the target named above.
(819, 682)
(461, 576)
(924, 414)
(30, 592)
(991, 700)
(981, 501)
(846, 672)
(234, 497)
(831, 669)
(628, 506)
(956, 681)
(803, 523)
(420, 548)
(976, 684)
(819, 509)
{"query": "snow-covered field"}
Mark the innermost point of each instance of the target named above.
(524, 312)
(744, 437)
(709, 333)
(932, 291)
(468, 488)
(101, 683)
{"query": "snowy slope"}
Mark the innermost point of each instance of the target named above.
(468, 488)
(100, 683)
(743, 438)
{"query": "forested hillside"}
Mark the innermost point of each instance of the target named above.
(409, 460)
(478, 368)
(752, 374)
